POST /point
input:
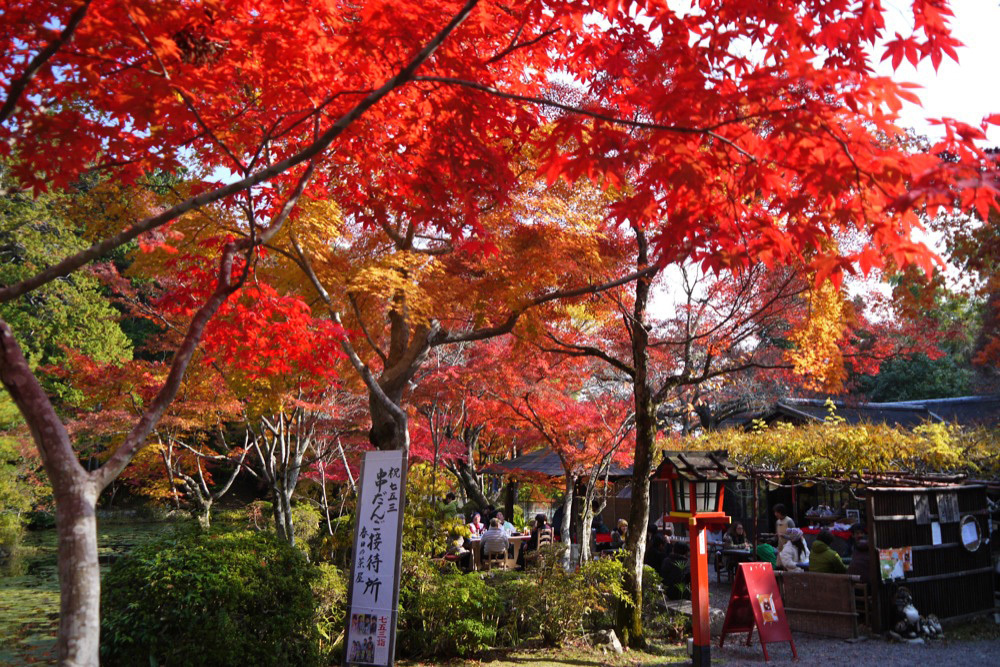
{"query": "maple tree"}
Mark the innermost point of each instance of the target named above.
(732, 154)
(556, 403)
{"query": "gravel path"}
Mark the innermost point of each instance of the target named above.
(831, 652)
(814, 650)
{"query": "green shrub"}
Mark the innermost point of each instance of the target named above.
(233, 598)
(446, 615)
(330, 595)
(557, 604)
(305, 522)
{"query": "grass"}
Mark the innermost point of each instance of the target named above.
(567, 656)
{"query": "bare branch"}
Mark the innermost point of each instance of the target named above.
(443, 337)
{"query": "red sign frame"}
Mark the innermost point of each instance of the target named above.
(755, 601)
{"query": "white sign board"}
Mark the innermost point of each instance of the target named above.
(374, 588)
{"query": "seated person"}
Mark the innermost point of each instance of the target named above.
(861, 562)
(476, 527)
(495, 539)
(823, 558)
(618, 536)
(766, 553)
(507, 526)
(458, 552)
(794, 552)
(736, 537)
(676, 573)
(541, 523)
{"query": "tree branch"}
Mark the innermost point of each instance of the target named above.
(443, 337)
(20, 84)
(679, 129)
(74, 262)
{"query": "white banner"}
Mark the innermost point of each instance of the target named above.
(374, 589)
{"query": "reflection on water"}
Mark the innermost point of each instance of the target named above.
(29, 603)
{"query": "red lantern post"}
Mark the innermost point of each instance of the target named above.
(697, 490)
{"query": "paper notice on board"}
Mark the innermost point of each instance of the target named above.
(970, 533)
(935, 533)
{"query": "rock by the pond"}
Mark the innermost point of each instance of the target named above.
(607, 639)
(716, 617)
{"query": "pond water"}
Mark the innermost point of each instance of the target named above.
(29, 603)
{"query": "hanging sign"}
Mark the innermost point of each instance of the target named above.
(373, 593)
(755, 601)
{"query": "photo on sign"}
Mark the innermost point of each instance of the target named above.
(767, 612)
(367, 639)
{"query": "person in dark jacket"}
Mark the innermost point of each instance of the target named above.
(823, 558)
(676, 573)
(656, 548)
(861, 561)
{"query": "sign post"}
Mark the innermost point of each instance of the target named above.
(755, 600)
(373, 591)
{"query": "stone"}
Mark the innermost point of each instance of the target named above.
(608, 640)
(716, 617)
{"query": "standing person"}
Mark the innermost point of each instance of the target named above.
(476, 527)
(781, 525)
(861, 561)
(507, 526)
(449, 506)
(657, 548)
(495, 539)
(823, 558)
(794, 552)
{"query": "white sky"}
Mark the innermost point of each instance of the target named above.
(967, 90)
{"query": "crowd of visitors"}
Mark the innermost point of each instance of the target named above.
(670, 556)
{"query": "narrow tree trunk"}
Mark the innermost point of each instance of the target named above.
(205, 515)
(79, 575)
(567, 523)
(630, 615)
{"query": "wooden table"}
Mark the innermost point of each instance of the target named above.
(516, 542)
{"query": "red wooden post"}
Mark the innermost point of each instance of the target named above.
(701, 653)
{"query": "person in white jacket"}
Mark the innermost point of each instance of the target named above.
(794, 552)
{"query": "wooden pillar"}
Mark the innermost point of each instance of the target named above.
(701, 652)
(875, 570)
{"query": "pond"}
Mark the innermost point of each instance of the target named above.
(29, 603)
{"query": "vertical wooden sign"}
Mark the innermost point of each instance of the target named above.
(373, 591)
(755, 600)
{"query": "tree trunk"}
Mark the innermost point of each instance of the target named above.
(467, 477)
(566, 529)
(205, 516)
(79, 575)
(630, 614)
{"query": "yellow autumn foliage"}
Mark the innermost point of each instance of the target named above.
(816, 354)
(834, 448)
